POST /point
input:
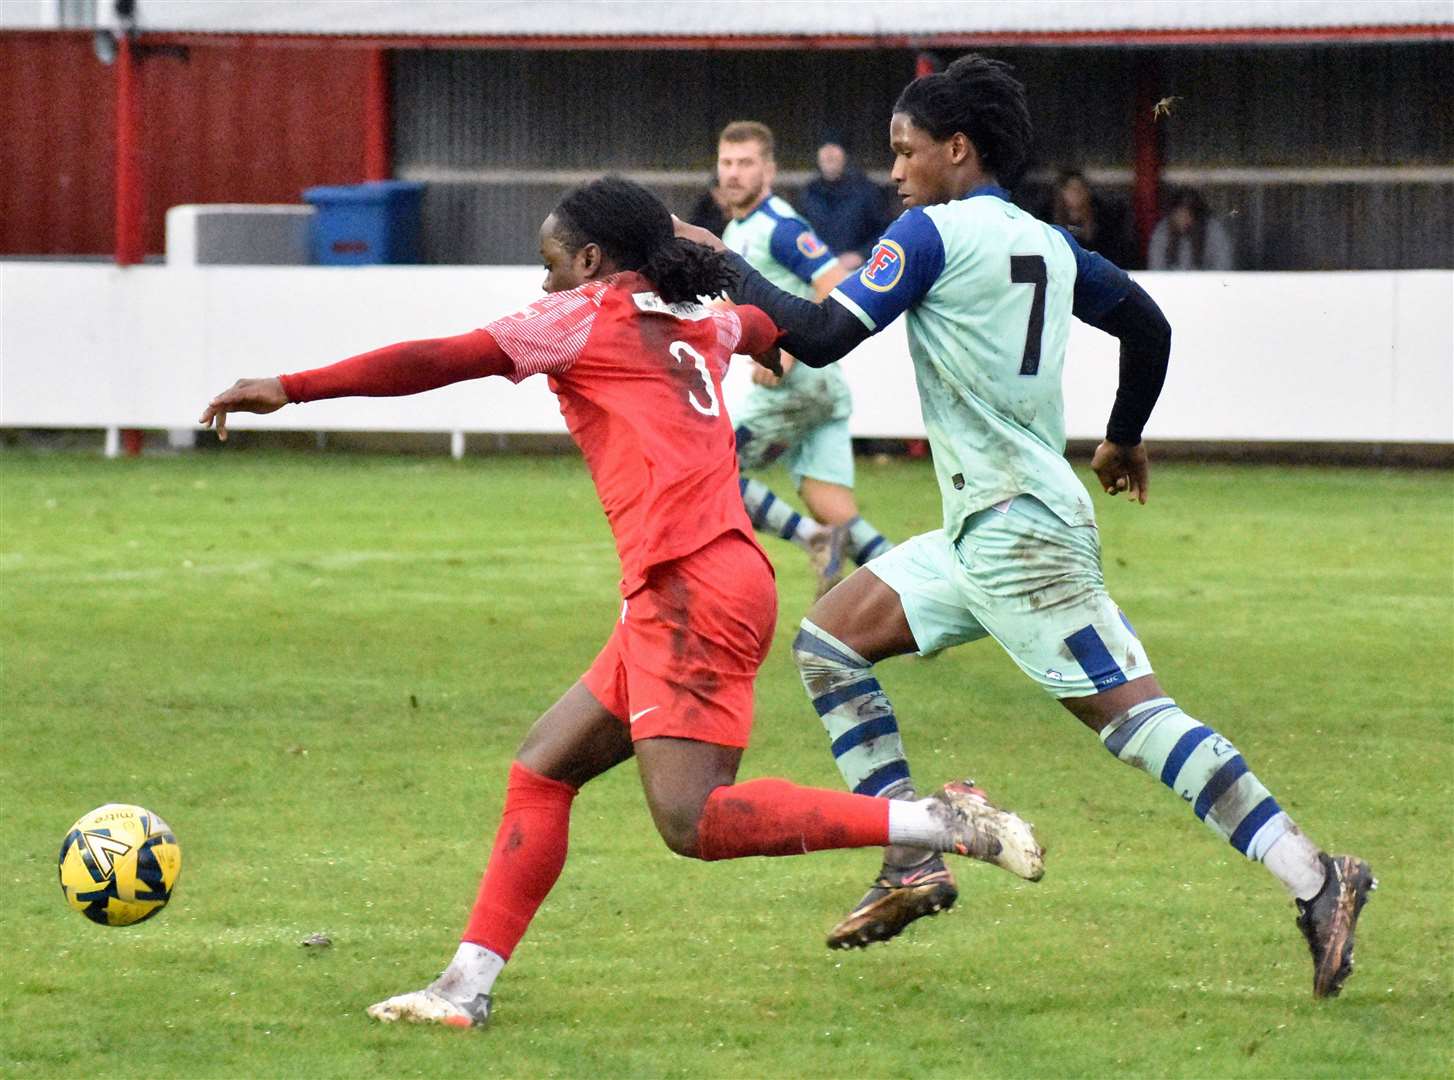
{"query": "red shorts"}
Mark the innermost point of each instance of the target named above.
(686, 650)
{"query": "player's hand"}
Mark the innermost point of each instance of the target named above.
(1122, 468)
(770, 367)
(245, 395)
(696, 234)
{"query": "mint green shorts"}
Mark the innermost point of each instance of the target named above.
(803, 423)
(1030, 581)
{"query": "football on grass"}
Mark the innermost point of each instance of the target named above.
(119, 864)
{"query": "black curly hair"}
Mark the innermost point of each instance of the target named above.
(983, 99)
(633, 228)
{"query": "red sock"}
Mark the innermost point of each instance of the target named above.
(775, 817)
(528, 855)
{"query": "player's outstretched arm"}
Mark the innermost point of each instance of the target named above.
(410, 367)
(817, 334)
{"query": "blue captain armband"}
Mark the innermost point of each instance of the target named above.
(900, 270)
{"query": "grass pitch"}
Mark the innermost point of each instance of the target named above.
(317, 667)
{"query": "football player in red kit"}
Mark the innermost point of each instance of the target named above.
(637, 363)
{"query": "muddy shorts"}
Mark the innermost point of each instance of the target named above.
(685, 652)
(1022, 576)
(803, 423)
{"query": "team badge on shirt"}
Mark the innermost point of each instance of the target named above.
(884, 267)
(810, 245)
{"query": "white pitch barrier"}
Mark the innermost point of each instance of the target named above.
(1361, 356)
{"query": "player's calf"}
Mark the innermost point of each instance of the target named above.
(862, 731)
(771, 514)
(855, 711)
(1208, 772)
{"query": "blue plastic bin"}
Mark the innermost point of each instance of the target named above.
(359, 224)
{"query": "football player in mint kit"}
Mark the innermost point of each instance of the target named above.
(988, 292)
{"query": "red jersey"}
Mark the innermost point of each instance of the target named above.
(640, 388)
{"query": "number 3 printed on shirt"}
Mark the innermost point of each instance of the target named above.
(680, 351)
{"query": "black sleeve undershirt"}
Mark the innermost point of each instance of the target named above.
(817, 334)
(1145, 338)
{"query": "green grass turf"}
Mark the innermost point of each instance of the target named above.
(317, 668)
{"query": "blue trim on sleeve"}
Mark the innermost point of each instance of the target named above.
(900, 270)
(794, 245)
(1099, 283)
(765, 208)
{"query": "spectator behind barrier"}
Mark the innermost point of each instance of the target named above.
(710, 211)
(1189, 238)
(1098, 224)
(845, 208)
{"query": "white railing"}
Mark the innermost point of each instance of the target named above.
(1351, 356)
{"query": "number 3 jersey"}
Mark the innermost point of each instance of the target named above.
(989, 290)
(640, 388)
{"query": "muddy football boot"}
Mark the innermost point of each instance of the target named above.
(1328, 920)
(897, 898)
(429, 1006)
(985, 832)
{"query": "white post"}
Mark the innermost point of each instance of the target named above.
(456, 445)
(113, 442)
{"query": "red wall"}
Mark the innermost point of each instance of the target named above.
(240, 123)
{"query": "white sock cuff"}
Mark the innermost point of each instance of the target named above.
(913, 825)
(1293, 859)
(812, 629)
(473, 970)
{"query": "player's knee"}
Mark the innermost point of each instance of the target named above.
(823, 662)
(807, 654)
(679, 830)
(677, 814)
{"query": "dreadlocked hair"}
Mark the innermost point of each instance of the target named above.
(981, 98)
(633, 228)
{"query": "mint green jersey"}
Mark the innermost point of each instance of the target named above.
(782, 247)
(989, 291)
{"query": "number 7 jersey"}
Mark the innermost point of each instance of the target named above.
(640, 388)
(989, 290)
